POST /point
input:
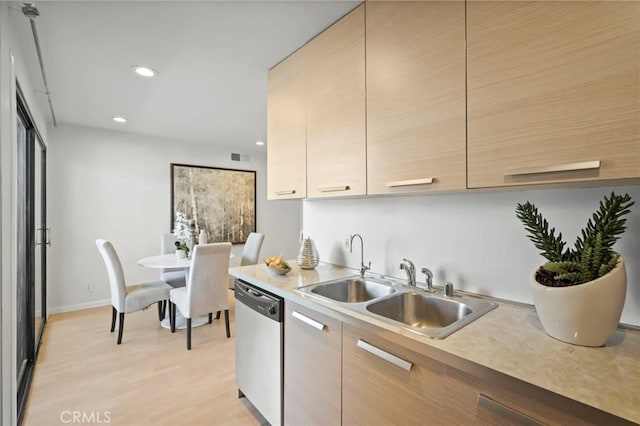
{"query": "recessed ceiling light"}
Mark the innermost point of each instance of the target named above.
(144, 71)
(119, 119)
(259, 143)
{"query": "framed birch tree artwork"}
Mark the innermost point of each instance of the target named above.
(222, 202)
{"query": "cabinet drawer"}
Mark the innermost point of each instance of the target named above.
(383, 383)
(472, 400)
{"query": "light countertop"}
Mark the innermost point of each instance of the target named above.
(509, 339)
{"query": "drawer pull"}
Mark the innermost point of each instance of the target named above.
(567, 167)
(506, 412)
(397, 183)
(287, 192)
(305, 319)
(335, 188)
(398, 362)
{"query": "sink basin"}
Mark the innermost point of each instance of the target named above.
(436, 317)
(352, 290)
(420, 310)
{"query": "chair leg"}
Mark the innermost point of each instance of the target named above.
(120, 327)
(160, 310)
(189, 334)
(172, 316)
(226, 322)
(210, 317)
(113, 318)
(218, 315)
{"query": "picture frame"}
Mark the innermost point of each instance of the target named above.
(220, 201)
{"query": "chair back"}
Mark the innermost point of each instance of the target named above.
(251, 251)
(168, 246)
(207, 289)
(116, 274)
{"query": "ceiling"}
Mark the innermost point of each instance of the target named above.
(212, 58)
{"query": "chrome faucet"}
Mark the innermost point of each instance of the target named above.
(428, 279)
(410, 269)
(363, 267)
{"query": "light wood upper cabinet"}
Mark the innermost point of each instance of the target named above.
(553, 89)
(286, 130)
(386, 384)
(416, 123)
(312, 367)
(336, 152)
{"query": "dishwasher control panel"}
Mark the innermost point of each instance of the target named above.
(261, 301)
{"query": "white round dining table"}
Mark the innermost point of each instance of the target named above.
(171, 261)
(167, 261)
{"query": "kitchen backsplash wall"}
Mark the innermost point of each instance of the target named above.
(473, 239)
(114, 185)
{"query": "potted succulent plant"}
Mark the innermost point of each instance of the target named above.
(579, 293)
(182, 250)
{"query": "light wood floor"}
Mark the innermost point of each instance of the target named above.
(150, 379)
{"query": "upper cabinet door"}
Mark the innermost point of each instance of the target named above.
(553, 92)
(286, 130)
(336, 151)
(416, 128)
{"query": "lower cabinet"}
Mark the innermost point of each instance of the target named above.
(312, 367)
(338, 373)
(501, 400)
(384, 384)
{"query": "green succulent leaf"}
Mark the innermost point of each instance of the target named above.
(538, 228)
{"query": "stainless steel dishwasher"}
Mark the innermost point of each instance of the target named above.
(259, 347)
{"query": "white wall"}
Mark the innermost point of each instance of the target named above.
(471, 239)
(18, 61)
(116, 186)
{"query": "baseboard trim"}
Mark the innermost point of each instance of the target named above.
(79, 306)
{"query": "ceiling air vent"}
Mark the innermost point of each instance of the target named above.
(239, 157)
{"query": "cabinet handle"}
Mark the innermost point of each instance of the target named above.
(335, 188)
(287, 192)
(567, 167)
(425, 181)
(47, 239)
(305, 319)
(398, 362)
(40, 232)
(504, 411)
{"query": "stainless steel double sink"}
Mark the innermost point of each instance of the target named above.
(409, 307)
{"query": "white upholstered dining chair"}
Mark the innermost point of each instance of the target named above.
(206, 291)
(250, 252)
(252, 247)
(130, 298)
(172, 276)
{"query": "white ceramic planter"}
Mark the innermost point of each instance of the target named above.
(585, 314)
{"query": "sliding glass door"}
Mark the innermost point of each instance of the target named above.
(32, 240)
(41, 236)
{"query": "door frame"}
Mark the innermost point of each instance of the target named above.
(26, 244)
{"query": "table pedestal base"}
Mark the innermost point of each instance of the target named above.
(181, 322)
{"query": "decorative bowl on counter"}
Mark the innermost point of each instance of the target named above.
(278, 270)
(278, 265)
